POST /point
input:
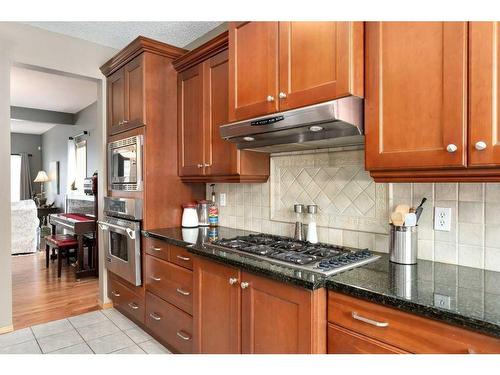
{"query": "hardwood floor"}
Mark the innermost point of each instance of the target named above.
(38, 296)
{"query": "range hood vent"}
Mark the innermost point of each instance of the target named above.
(336, 123)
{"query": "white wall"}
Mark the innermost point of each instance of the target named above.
(32, 46)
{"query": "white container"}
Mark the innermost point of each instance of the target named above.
(189, 216)
(312, 231)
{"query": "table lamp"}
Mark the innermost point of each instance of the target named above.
(42, 177)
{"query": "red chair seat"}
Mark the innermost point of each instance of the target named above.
(61, 240)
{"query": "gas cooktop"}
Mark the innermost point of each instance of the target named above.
(321, 258)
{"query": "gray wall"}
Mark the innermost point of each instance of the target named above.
(55, 148)
(32, 144)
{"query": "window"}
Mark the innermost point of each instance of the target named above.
(77, 165)
(15, 178)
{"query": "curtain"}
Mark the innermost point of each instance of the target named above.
(71, 166)
(25, 185)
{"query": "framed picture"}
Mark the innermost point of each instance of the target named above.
(54, 177)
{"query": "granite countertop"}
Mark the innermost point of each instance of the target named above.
(463, 296)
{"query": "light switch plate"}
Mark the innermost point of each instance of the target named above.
(222, 199)
(442, 219)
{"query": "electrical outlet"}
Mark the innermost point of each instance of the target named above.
(442, 219)
(442, 301)
(222, 199)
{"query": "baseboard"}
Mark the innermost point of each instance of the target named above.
(107, 305)
(6, 329)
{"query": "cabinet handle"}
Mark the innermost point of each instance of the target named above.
(155, 316)
(282, 95)
(480, 146)
(233, 280)
(270, 98)
(124, 122)
(183, 292)
(200, 165)
(116, 294)
(369, 321)
(183, 335)
(183, 258)
(451, 148)
(156, 278)
(207, 164)
(244, 285)
(133, 306)
(120, 123)
(156, 248)
(471, 351)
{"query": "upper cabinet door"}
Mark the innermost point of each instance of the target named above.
(415, 95)
(319, 61)
(221, 157)
(484, 125)
(190, 113)
(116, 101)
(134, 93)
(253, 69)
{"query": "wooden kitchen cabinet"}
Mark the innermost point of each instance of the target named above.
(126, 109)
(203, 107)
(239, 312)
(276, 66)
(191, 132)
(217, 308)
(125, 300)
(415, 95)
(392, 329)
(484, 124)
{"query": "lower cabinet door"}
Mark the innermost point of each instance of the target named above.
(125, 300)
(343, 341)
(280, 318)
(217, 308)
(170, 324)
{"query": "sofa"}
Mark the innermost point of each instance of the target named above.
(24, 227)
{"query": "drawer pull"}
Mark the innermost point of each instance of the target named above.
(156, 248)
(233, 280)
(183, 292)
(133, 305)
(369, 321)
(156, 278)
(155, 316)
(183, 258)
(183, 336)
(116, 294)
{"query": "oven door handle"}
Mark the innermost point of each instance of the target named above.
(103, 226)
(131, 233)
(106, 226)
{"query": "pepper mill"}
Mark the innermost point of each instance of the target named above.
(299, 210)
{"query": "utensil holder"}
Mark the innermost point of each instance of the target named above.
(403, 244)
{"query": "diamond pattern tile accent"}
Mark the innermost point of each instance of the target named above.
(342, 189)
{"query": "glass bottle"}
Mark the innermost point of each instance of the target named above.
(312, 231)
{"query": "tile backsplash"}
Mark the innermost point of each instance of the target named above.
(354, 210)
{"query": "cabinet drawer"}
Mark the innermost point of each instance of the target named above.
(170, 282)
(181, 257)
(343, 341)
(125, 300)
(172, 325)
(406, 331)
(156, 247)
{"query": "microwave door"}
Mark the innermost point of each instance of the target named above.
(124, 166)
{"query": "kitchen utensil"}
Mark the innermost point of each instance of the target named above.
(202, 208)
(397, 219)
(312, 232)
(189, 216)
(420, 208)
(403, 244)
(410, 220)
(299, 210)
(403, 208)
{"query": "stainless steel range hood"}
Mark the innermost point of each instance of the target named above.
(331, 124)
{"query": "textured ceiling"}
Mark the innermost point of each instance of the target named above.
(119, 34)
(53, 92)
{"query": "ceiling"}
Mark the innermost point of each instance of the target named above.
(119, 34)
(29, 127)
(53, 92)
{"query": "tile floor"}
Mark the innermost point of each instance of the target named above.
(96, 332)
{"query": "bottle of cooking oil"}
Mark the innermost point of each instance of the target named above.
(213, 210)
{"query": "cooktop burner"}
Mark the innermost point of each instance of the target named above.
(321, 258)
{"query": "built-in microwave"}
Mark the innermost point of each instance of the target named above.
(125, 164)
